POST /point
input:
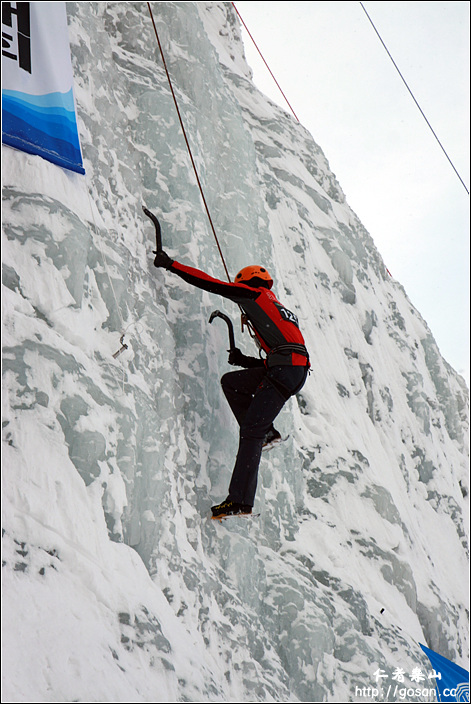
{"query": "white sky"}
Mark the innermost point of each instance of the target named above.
(346, 91)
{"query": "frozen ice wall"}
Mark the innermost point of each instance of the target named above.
(116, 586)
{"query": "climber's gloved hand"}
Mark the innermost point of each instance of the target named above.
(162, 260)
(236, 358)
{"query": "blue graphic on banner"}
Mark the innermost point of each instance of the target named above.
(38, 109)
(44, 125)
(452, 681)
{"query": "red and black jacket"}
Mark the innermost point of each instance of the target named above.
(274, 325)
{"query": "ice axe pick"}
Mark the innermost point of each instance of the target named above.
(218, 314)
(158, 231)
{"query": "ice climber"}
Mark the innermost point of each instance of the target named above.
(257, 393)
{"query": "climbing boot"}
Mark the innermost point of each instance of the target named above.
(230, 508)
(272, 438)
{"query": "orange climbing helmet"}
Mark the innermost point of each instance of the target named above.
(248, 273)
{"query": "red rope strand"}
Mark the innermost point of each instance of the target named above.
(187, 143)
(263, 59)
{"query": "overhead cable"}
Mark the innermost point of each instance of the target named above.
(414, 98)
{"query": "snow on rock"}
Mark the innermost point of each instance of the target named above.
(116, 587)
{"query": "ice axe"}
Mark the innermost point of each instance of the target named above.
(218, 314)
(158, 232)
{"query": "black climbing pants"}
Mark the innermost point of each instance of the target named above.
(256, 396)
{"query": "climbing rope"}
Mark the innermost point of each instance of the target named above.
(187, 142)
(263, 59)
(414, 99)
(395, 66)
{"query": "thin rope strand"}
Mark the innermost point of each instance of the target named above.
(263, 59)
(187, 142)
(414, 99)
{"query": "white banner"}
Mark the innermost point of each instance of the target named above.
(38, 108)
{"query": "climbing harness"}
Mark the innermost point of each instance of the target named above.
(288, 349)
